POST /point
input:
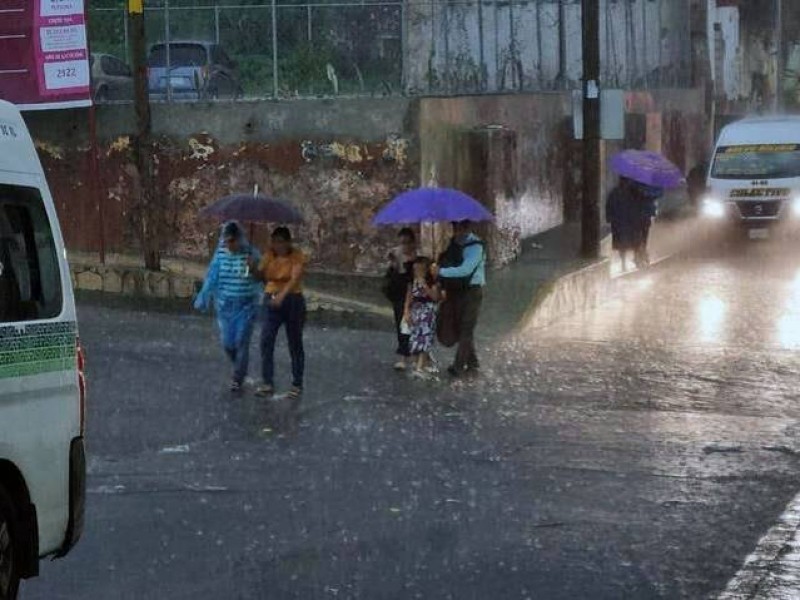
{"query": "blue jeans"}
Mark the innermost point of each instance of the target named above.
(292, 314)
(236, 320)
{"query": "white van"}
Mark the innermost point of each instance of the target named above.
(754, 179)
(42, 391)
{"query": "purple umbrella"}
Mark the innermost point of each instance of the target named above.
(252, 208)
(432, 205)
(647, 167)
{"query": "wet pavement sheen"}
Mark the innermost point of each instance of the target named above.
(637, 451)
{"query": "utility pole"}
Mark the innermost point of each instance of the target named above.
(143, 147)
(590, 213)
(778, 56)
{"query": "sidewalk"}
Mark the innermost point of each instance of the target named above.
(548, 281)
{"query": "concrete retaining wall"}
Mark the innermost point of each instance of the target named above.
(132, 281)
(136, 282)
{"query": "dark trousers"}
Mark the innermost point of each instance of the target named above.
(403, 340)
(469, 309)
(292, 314)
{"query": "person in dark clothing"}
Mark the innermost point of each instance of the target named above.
(399, 275)
(648, 204)
(696, 183)
(464, 302)
(624, 214)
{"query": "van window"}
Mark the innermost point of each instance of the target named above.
(764, 161)
(30, 281)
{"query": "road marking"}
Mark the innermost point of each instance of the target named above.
(772, 571)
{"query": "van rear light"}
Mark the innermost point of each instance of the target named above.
(81, 358)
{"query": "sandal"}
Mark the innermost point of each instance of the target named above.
(265, 391)
(294, 392)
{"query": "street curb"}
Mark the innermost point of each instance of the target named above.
(568, 294)
(772, 569)
(585, 288)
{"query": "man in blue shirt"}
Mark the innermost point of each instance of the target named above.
(466, 300)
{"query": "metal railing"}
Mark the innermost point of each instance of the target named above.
(283, 49)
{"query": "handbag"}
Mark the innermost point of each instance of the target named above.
(447, 330)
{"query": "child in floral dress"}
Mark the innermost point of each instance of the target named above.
(420, 314)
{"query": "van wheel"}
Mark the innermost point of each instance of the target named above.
(9, 548)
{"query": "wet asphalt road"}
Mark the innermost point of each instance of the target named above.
(638, 451)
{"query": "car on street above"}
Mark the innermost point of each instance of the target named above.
(191, 70)
(754, 178)
(42, 387)
(112, 79)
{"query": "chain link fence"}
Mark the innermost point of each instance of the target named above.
(205, 50)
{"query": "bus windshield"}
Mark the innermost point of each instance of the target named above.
(763, 161)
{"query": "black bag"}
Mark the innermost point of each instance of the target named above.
(453, 256)
(395, 284)
(447, 329)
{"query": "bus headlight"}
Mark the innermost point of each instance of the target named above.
(796, 206)
(713, 208)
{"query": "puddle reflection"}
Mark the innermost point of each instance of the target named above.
(789, 323)
(711, 314)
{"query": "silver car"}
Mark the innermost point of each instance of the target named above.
(112, 79)
(191, 70)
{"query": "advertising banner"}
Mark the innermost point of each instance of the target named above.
(44, 58)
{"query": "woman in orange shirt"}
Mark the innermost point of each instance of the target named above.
(281, 269)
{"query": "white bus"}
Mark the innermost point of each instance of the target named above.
(754, 179)
(42, 389)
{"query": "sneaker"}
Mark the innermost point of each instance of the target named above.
(400, 365)
(265, 391)
(236, 386)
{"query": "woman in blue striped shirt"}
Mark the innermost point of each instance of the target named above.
(235, 293)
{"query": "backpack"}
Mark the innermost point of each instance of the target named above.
(453, 256)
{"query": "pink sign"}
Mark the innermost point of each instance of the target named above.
(60, 48)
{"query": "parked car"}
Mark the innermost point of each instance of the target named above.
(112, 79)
(192, 70)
